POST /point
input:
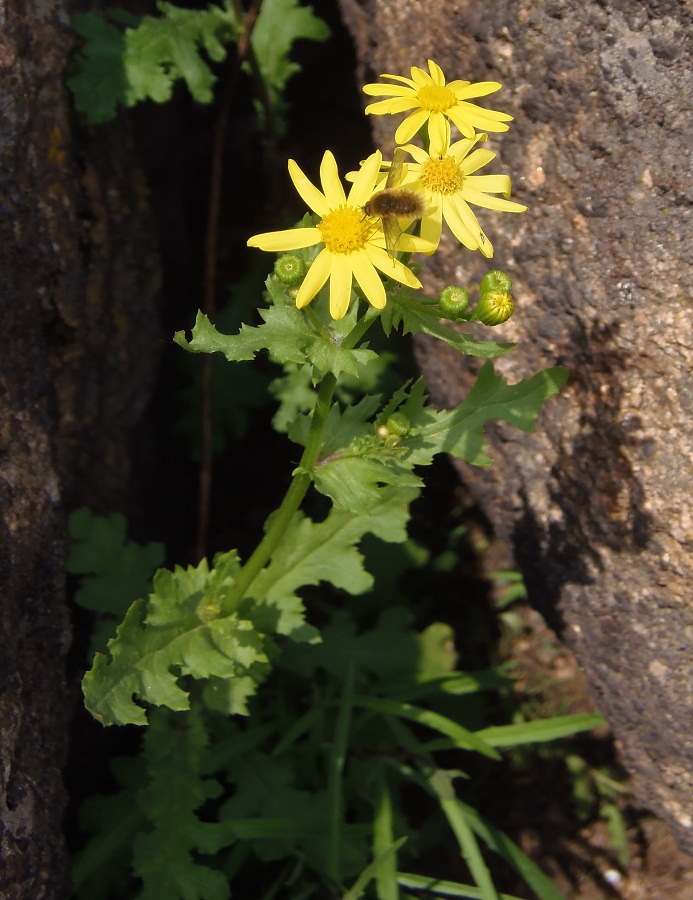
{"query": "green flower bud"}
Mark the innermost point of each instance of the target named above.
(453, 301)
(290, 269)
(208, 610)
(494, 308)
(398, 424)
(495, 280)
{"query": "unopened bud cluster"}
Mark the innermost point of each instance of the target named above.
(392, 431)
(495, 304)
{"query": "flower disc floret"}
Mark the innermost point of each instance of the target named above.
(353, 247)
(345, 229)
(436, 98)
(433, 101)
(441, 176)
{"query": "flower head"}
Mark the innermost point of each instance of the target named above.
(444, 176)
(354, 248)
(432, 100)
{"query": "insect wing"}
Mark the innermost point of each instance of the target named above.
(393, 232)
(394, 176)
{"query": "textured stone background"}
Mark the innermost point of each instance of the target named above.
(597, 505)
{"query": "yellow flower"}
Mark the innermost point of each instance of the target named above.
(444, 177)
(354, 248)
(432, 99)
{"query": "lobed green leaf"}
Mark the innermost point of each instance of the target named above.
(184, 630)
(145, 60)
(286, 334)
(279, 24)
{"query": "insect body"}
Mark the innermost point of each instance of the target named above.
(393, 204)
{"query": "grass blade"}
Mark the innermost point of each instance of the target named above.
(441, 783)
(462, 737)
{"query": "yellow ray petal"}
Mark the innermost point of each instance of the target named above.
(463, 90)
(387, 107)
(310, 195)
(368, 279)
(388, 90)
(437, 76)
(475, 161)
(316, 276)
(417, 153)
(330, 181)
(393, 268)
(485, 201)
(454, 221)
(410, 126)
(490, 184)
(340, 285)
(412, 84)
(432, 225)
(439, 134)
(363, 187)
(291, 239)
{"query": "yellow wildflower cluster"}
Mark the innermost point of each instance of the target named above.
(356, 229)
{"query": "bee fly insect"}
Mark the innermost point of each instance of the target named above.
(393, 203)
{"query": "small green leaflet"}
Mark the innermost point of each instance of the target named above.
(286, 334)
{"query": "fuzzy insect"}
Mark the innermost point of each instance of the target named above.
(393, 204)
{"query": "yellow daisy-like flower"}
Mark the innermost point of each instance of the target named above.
(354, 248)
(432, 100)
(444, 177)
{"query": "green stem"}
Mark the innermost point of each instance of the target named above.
(281, 518)
(335, 798)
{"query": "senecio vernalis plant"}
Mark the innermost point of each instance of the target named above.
(282, 735)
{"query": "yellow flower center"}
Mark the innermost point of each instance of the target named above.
(345, 229)
(441, 176)
(436, 98)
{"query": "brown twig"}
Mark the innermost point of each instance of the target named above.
(244, 51)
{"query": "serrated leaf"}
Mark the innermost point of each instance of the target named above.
(163, 853)
(162, 50)
(342, 426)
(279, 24)
(112, 820)
(417, 316)
(286, 334)
(388, 650)
(114, 571)
(143, 62)
(355, 466)
(182, 633)
(459, 432)
(356, 484)
(97, 75)
(326, 551)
